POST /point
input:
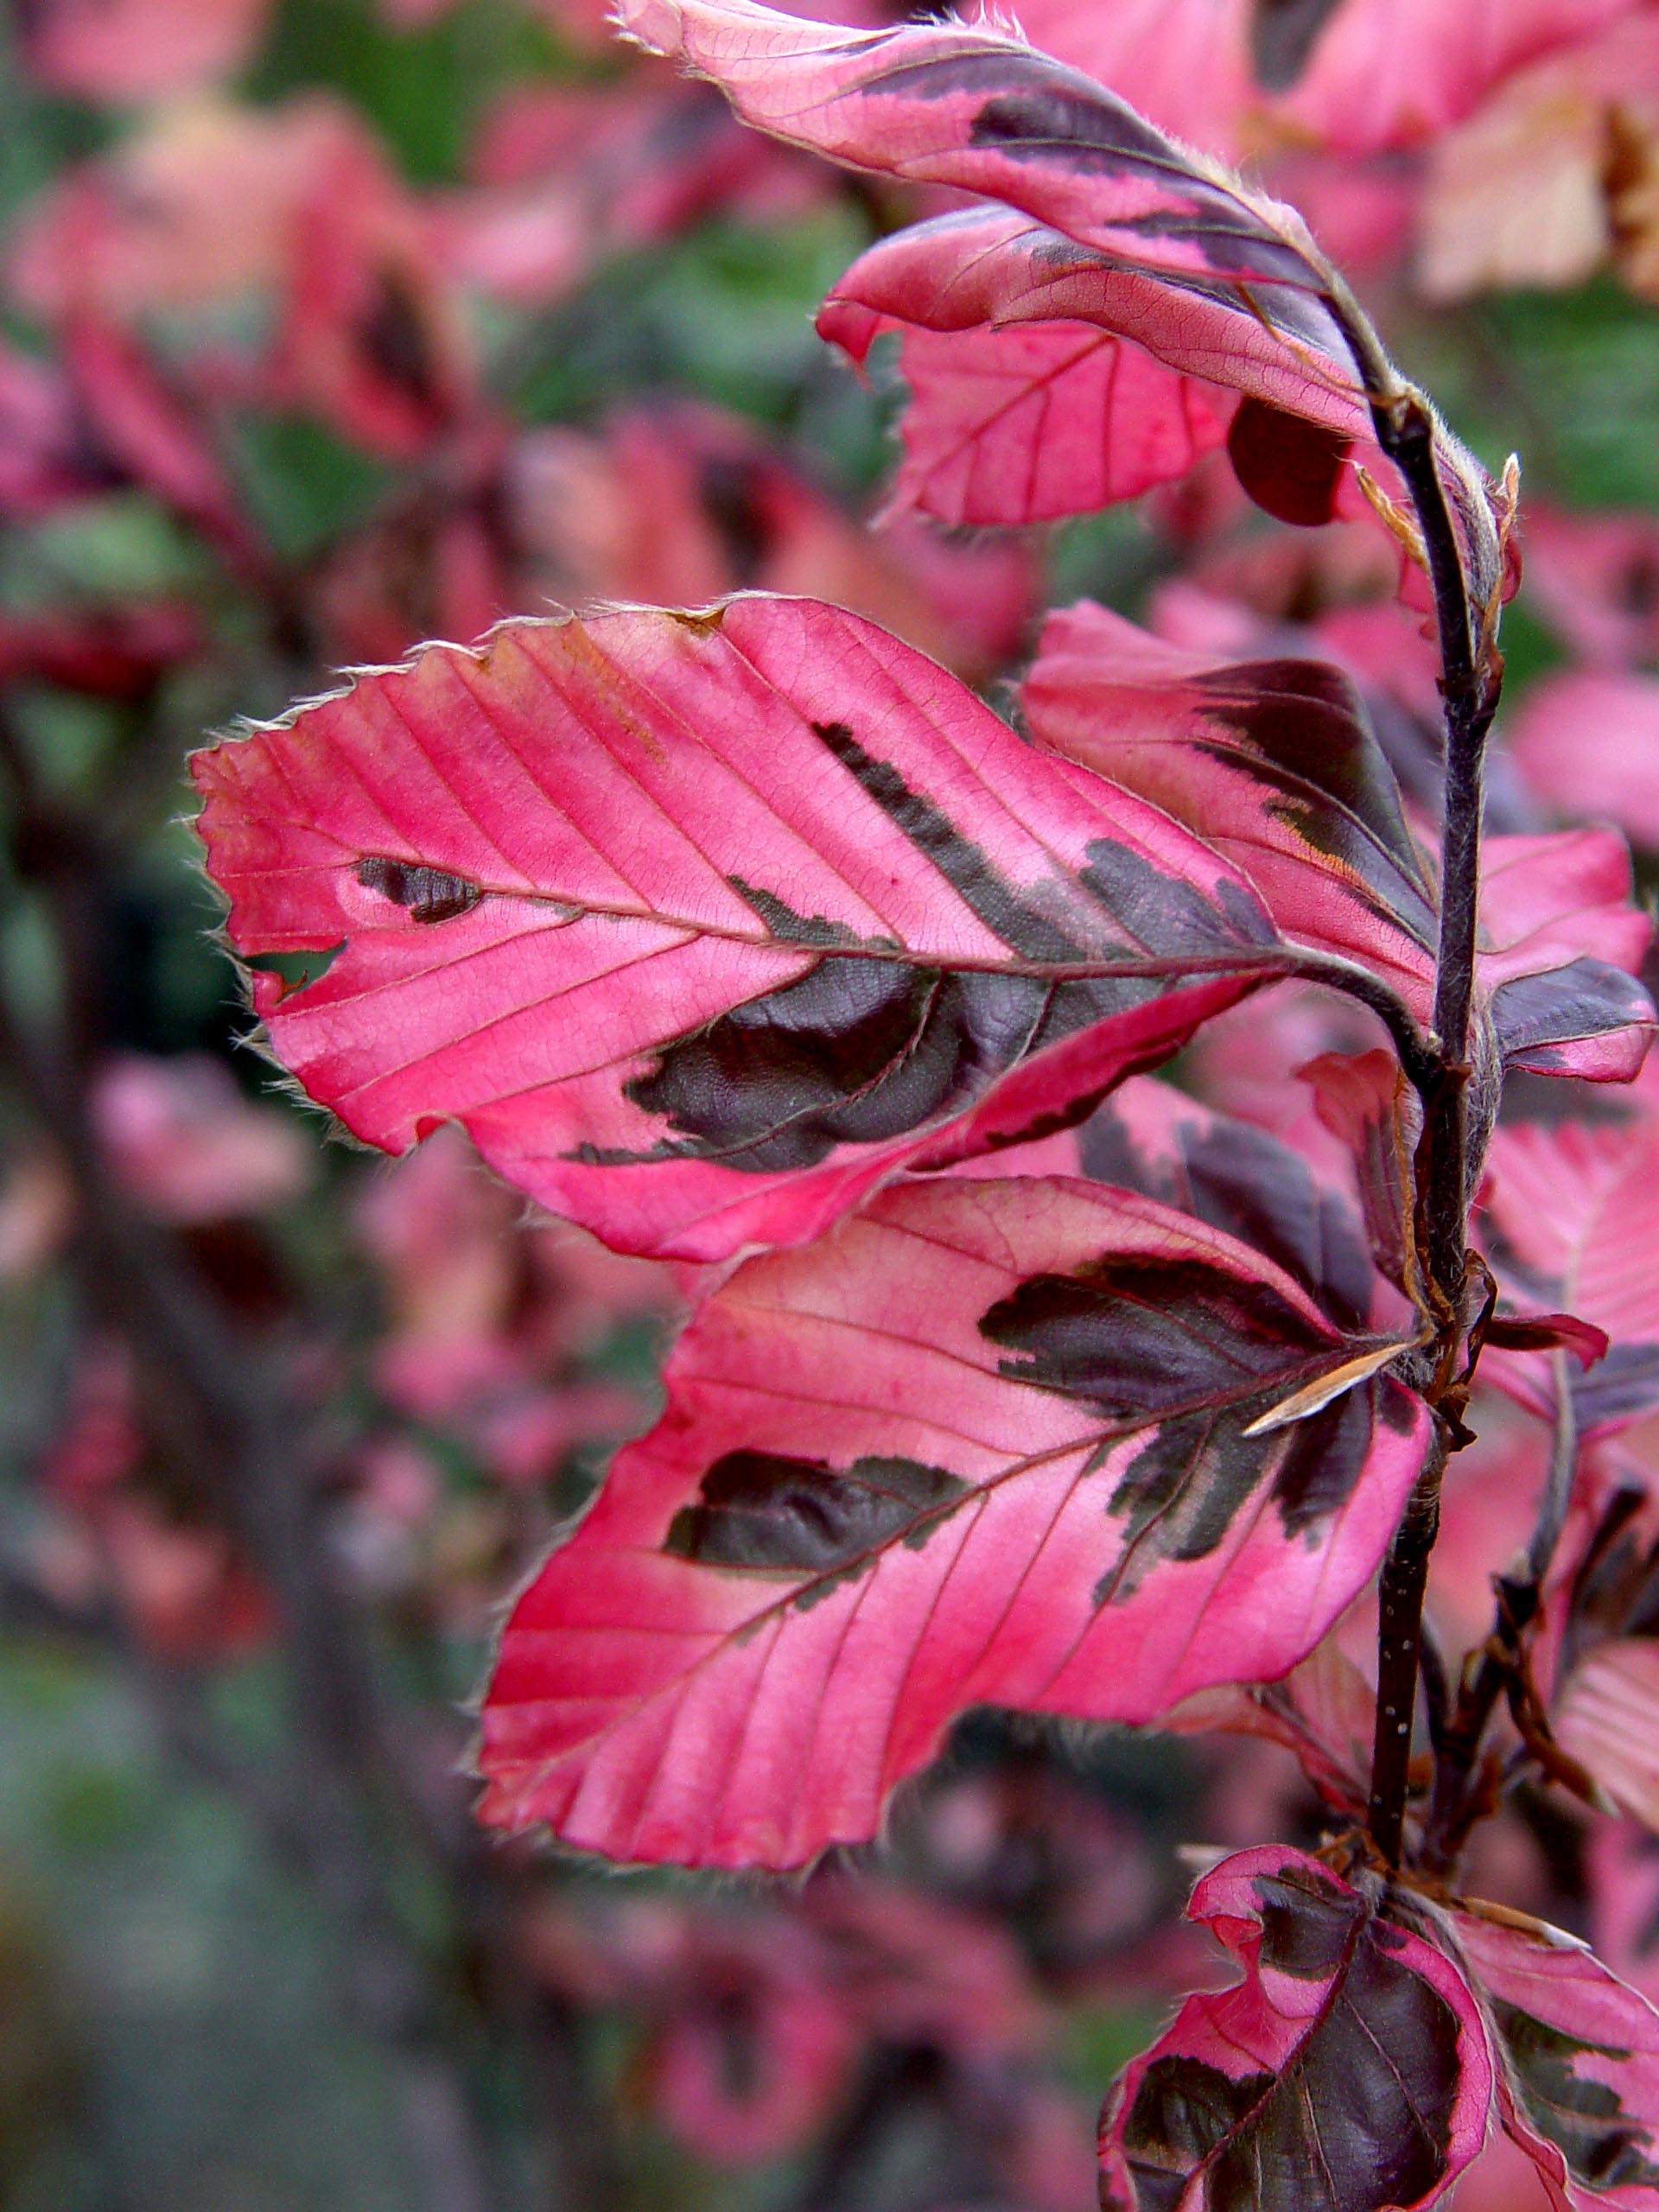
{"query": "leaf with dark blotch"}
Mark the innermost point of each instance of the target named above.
(1579, 2052)
(983, 1444)
(1347, 2072)
(1155, 242)
(1561, 943)
(1567, 1019)
(703, 925)
(1275, 764)
(1151, 1137)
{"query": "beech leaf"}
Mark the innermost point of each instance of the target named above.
(983, 1444)
(1274, 763)
(1579, 2052)
(701, 924)
(1134, 234)
(1347, 2072)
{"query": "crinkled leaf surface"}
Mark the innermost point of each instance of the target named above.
(1275, 764)
(702, 924)
(1045, 380)
(1579, 2052)
(1213, 277)
(1021, 420)
(985, 1443)
(970, 106)
(1347, 2072)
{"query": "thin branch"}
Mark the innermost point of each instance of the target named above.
(1399, 1646)
(1454, 1805)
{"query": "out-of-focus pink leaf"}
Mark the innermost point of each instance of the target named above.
(1603, 1716)
(1324, 1711)
(759, 2045)
(143, 228)
(673, 505)
(186, 1144)
(1595, 578)
(44, 460)
(1572, 1215)
(120, 51)
(371, 335)
(150, 432)
(1577, 2079)
(1348, 2071)
(987, 1442)
(1538, 185)
(1622, 1865)
(112, 654)
(1363, 75)
(1587, 741)
(702, 924)
(565, 174)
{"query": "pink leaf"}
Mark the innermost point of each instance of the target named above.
(1184, 64)
(985, 1443)
(1522, 193)
(1572, 1215)
(1324, 1711)
(1587, 742)
(1578, 2055)
(118, 51)
(1377, 73)
(1348, 2071)
(702, 924)
(1272, 761)
(1363, 1098)
(1148, 240)
(1594, 579)
(966, 106)
(1274, 764)
(1623, 1871)
(1603, 1717)
(1008, 424)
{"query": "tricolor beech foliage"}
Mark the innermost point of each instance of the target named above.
(747, 936)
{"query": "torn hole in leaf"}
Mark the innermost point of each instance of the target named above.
(296, 971)
(1292, 469)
